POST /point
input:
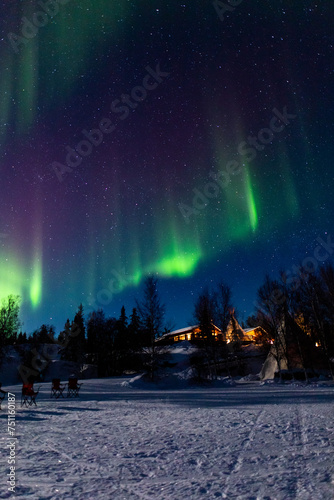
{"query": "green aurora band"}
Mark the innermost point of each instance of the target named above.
(176, 249)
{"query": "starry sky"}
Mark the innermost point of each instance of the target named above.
(191, 140)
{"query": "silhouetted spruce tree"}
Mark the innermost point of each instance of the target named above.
(96, 339)
(222, 317)
(204, 313)
(135, 330)
(122, 345)
(135, 339)
(101, 336)
(151, 312)
(122, 330)
(74, 349)
(80, 338)
(45, 334)
(111, 355)
(222, 307)
(22, 338)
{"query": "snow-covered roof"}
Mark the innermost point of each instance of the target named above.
(181, 330)
(247, 330)
(184, 330)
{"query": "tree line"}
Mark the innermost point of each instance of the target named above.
(296, 316)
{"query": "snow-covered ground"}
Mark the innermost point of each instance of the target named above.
(248, 441)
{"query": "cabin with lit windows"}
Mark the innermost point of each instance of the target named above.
(233, 333)
(188, 333)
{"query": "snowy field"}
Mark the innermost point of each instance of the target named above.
(115, 442)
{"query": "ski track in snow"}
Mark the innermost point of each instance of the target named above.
(246, 442)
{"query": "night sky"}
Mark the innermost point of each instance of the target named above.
(215, 160)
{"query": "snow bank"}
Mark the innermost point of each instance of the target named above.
(238, 443)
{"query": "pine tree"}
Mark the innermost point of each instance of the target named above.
(151, 312)
(97, 339)
(135, 330)
(73, 338)
(204, 311)
(45, 334)
(78, 341)
(122, 344)
(223, 306)
(122, 330)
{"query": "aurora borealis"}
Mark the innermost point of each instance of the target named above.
(193, 177)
